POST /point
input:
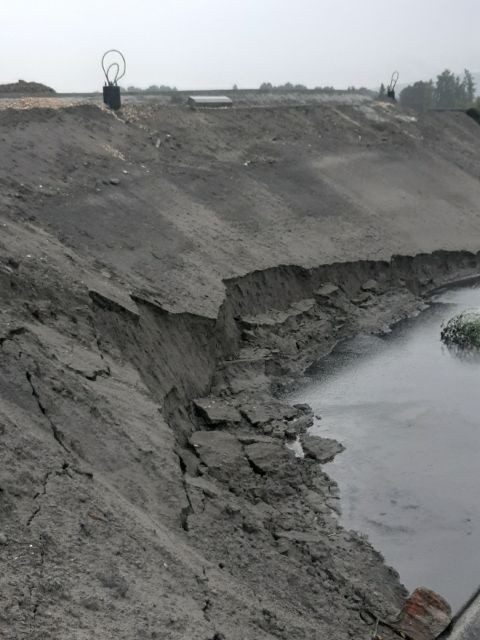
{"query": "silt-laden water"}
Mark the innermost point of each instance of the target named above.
(408, 412)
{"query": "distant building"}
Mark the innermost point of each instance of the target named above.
(202, 102)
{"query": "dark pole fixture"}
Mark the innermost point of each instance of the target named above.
(392, 85)
(113, 73)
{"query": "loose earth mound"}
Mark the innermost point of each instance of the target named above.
(26, 88)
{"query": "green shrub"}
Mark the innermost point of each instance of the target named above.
(463, 330)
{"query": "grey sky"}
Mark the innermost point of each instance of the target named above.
(216, 43)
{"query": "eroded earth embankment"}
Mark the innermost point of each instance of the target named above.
(146, 489)
(146, 484)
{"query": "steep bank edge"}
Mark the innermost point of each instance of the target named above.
(271, 325)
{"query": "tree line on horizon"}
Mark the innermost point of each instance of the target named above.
(288, 86)
(449, 91)
(153, 88)
(265, 87)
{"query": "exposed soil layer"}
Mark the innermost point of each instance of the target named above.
(146, 332)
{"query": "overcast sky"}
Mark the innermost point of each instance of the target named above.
(216, 43)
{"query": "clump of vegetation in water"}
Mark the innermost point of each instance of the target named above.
(463, 331)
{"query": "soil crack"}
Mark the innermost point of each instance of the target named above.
(57, 434)
(188, 510)
(35, 513)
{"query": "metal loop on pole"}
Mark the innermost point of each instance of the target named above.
(119, 67)
(393, 81)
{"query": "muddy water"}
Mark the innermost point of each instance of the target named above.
(408, 412)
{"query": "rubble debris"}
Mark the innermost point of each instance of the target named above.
(322, 450)
(326, 290)
(262, 413)
(218, 449)
(217, 411)
(425, 615)
(267, 457)
(371, 285)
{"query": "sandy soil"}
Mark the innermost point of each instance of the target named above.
(166, 255)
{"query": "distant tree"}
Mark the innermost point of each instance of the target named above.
(449, 91)
(235, 87)
(470, 87)
(363, 91)
(163, 88)
(419, 96)
(382, 94)
(288, 86)
(153, 88)
(461, 96)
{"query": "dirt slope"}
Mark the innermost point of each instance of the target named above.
(118, 518)
(230, 191)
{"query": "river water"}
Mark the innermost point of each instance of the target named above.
(408, 413)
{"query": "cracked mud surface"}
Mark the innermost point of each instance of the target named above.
(145, 489)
